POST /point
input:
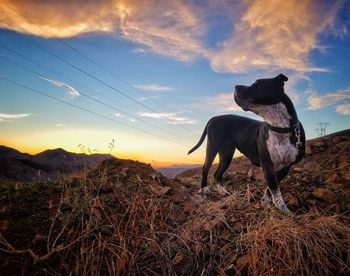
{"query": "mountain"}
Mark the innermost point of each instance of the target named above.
(51, 164)
(172, 171)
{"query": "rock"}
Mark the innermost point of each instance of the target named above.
(244, 261)
(38, 238)
(318, 144)
(164, 191)
(325, 195)
(238, 227)
(291, 200)
(298, 170)
(337, 139)
(332, 178)
(310, 202)
(209, 225)
(251, 174)
(96, 214)
(177, 258)
(308, 149)
(50, 205)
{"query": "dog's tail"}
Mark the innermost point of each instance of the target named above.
(200, 141)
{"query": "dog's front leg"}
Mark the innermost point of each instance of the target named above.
(272, 182)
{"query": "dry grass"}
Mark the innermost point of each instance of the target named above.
(128, 228)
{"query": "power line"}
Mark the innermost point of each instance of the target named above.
(85, 72)
(89, 111)
(53, 71)
(96, 100)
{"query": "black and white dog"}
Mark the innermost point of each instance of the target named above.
(275, 144)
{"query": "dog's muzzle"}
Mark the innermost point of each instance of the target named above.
(241, 102)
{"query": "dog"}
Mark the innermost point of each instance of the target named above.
(275, 144)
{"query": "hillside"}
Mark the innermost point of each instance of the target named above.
(49, 164)
(123, 217)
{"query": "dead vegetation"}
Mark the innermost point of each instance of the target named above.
(100, 227)
(124, 218)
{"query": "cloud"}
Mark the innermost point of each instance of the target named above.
(316, 101)
(60, 125)
(168, 28)
(119, 115)
(343, 109)
(152, 87)
(148, 98)
(275, 34)
(69, 89)
(7, 116)
(172, 118)
(223, 102)
(57, 18)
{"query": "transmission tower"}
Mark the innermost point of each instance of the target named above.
(322, 128)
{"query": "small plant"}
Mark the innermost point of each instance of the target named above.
(111, 146)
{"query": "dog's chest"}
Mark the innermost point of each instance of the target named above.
(282, 152)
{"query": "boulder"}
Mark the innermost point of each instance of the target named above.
(325, 195)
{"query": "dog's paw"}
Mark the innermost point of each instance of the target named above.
(284, 209)
(222, 191)
(266, 200)
(204, 191)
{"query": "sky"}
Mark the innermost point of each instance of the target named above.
(145, 76)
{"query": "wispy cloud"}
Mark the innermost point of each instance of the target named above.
(265, 34)
(60, 125)
(69, 89)
(148, 98)
(8, 116)
(119, 115)
(316, 101)
(152, 87)
(172, 118)
(343, 109)
(223, 102)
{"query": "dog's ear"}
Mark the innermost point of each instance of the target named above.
(282, 77)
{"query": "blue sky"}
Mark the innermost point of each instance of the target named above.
(177, 60)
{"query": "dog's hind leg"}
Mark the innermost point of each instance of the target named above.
(225, 154)
(212, 150)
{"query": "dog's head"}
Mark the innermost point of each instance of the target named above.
(264, 97)
(261, 92)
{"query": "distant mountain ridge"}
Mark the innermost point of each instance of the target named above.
(172, 171)
(49, 164)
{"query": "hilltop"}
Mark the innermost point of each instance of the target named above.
(49, 164)
(123, 217)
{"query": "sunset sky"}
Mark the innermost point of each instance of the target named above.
(150, 74)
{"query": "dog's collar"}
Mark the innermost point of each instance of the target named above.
(295, 129)
(280, 129)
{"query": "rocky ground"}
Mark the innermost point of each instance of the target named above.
(125, 218)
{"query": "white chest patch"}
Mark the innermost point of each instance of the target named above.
(282, 152)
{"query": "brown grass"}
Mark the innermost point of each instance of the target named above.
(128, 228)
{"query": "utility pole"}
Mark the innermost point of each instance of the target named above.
(322, 128)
